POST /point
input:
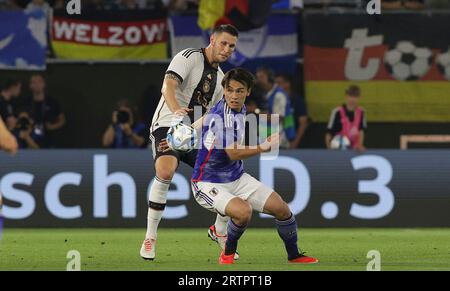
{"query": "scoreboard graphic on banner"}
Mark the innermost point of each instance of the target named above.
(400, 61)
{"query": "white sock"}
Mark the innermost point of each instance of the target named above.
(221, 224)
(157, 199)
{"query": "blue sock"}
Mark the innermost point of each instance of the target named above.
(287, 229)
(234, 233)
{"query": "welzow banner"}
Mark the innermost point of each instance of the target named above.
(23, 40)
(86, 188)
(400, 61)
(100, 35)
(275, 44)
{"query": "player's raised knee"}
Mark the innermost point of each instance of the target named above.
(242, 212)
(246, 212)
(285, 211)
(281, 211)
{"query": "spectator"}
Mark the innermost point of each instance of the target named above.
(277, 103)
(348, 120)
(45, 111)
(181, 5)
(391, 4)
(128, 5)
(27, 136)
(414, 4)
(124, 132)
(59, 4)
(401, 4)
(300, 111)
(8, 102)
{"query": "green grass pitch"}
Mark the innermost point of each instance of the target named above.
(191, 250)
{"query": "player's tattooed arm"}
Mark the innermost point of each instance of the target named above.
(172, 76)
(170, 85)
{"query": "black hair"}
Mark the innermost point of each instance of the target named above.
(240, 75)
(269, 72)
(228, 28)
(353, 90)
(9, 83)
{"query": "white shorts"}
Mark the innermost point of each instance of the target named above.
(216, 196)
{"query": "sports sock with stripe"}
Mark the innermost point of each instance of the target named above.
(287, 230)
(234, 233)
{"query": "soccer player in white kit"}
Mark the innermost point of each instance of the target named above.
(219, 182)
(193, 78)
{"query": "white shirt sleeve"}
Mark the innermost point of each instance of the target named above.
(279, 104)
(183, 63)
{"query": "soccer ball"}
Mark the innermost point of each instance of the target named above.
(443, 63)
(408, 62)
(181, 138)
(340, 142)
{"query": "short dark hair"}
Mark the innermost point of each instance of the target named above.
(38, 75)
(268, 71)
(228, 28)
(353, 90)
(9, 83)
(239, 75)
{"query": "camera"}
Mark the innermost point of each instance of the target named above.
(123, 116)
(23, 123)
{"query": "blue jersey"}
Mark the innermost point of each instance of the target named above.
(222, 127)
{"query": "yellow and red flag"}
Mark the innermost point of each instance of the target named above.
(107, 35)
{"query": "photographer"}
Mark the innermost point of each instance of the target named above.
(124, 132)
(45, 111)
(27, 135)
(11, 89)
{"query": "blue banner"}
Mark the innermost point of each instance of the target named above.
(274, 45)
(23, 40)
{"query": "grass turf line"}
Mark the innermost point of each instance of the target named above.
(191, 250)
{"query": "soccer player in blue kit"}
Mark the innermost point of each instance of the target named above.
(219, 182)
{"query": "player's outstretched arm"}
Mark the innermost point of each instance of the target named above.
(236, 152)
(170, 85)
(7, 141)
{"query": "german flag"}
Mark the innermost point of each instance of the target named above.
(110, 35)
(394, 58)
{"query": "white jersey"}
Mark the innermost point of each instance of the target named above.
(200, 85)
